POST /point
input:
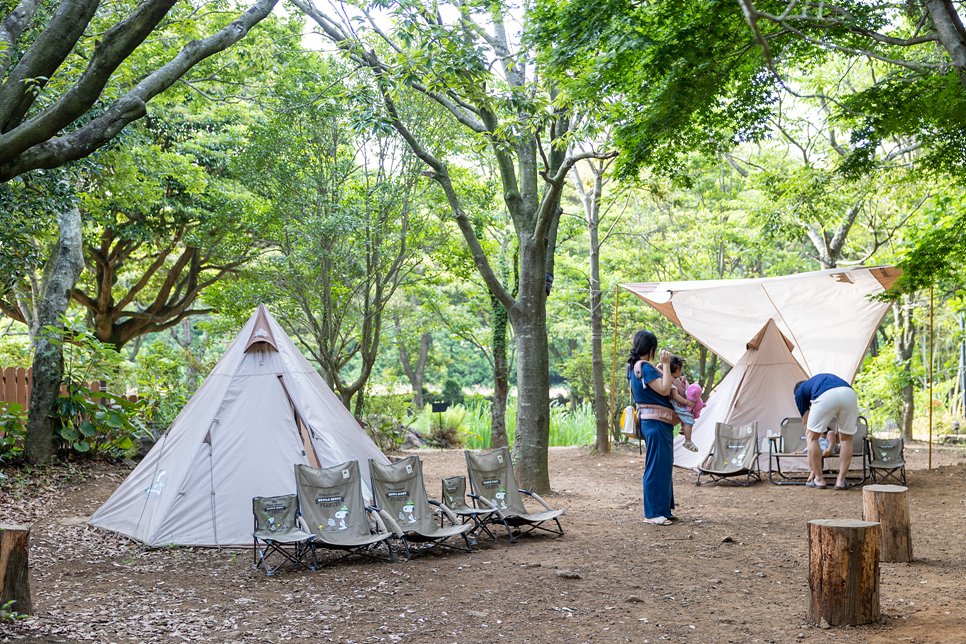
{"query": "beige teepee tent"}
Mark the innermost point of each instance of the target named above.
(759, 387)
(262, 410)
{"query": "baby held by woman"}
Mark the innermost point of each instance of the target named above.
(685, 398)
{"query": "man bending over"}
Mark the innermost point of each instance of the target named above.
(820, 399)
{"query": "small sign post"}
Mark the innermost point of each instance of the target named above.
(439, 408)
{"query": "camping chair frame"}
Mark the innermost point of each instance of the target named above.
(895, 472)
(464, 512)
(777, 450)
(292, 544)
(510, 520)
(717, 476)
(366, 551)
(436, 536)
(364, 547)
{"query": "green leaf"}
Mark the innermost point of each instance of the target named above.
(116, 421)
(82, 446)
(87, 428)
(68, 433)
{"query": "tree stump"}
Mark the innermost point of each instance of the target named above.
(14, 583)
(843, 571)
(889, 505)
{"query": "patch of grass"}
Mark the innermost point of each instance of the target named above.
(568, 427)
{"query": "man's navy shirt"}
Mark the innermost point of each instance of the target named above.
(815, 387)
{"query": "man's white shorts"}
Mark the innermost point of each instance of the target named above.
(840, 403)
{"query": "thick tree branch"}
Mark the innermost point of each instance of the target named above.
(11, 29)
(41, 60)
(130, 107)
(118, 43)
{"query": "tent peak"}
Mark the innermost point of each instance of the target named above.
(262, 329)
(755, 342)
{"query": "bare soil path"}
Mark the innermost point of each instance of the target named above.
(732, 569)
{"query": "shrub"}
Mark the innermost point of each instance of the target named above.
(444, 428)
(13, 423)
(452, 392)
(92, 422)
(387, 432)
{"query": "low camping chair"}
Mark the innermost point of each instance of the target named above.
(398, 490)
(735, 454)
(277, 532)
(332, 509)
(494, 486)
(789, 443)
(454, 497)
(886, 459)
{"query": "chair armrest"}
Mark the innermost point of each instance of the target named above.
(303, 525)
(390, 523)
(489, 504)
(537, 498)
(380, 524)
(446, 511)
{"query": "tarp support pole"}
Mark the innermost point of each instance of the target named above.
(613, 373)
(932, 288)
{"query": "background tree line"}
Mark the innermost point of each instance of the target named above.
(453, 194)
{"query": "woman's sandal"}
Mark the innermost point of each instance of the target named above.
(658, 521)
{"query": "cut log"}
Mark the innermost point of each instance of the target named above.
(843, 571)
(14, 583)
(889, 506)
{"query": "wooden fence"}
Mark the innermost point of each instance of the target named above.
(15, 388)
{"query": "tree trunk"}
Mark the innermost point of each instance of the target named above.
(601, 405)
(414, 375)
(185, 342)
(591, 203)
(529, 318)
(48, 365)
(14, 580)
(501, 376)
(905, 343)
(843, 571)
(708, 369)
(889, 506)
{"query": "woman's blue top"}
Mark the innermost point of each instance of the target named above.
(643, 394)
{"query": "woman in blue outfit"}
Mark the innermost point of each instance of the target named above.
(650, 389)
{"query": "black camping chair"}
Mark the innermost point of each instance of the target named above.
(886, 459)
(277, 533)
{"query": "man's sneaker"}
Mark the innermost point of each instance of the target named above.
(691, 447)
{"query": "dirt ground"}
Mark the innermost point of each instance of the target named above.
(733, 569)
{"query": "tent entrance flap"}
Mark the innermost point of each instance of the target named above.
(308, 448)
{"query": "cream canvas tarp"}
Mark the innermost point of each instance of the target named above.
(262, 410)
(827, 314)
(758, 388)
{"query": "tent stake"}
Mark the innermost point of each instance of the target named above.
(613, 373)
(931, 289)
